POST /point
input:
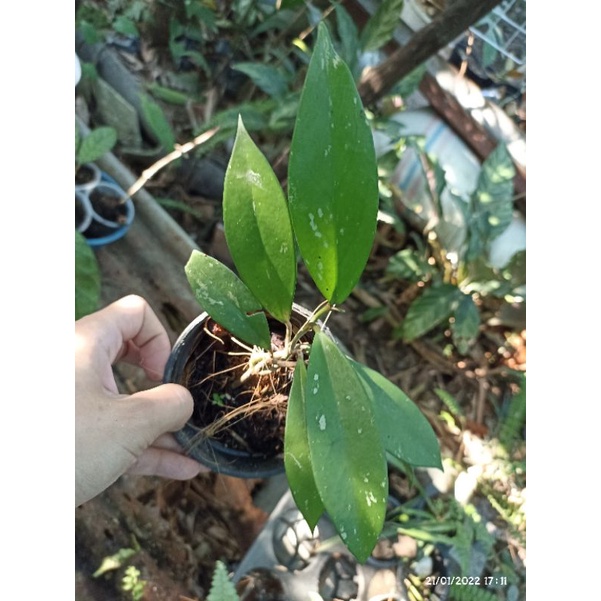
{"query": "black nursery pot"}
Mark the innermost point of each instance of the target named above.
(215, 454)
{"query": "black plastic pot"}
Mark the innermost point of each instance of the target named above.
(208, 451)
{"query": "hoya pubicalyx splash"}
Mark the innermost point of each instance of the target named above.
(343, 418)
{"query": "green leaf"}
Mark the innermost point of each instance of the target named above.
(227, 300)
(515, 270)
(493, 197)
(380, 28)
(96, 144)
(349, 39)
(222, 588)
(297, 458)
(346, 451)
(332, 175)
(410, 82)
(466, 325)
(409, 264)
(514, 420)
(203, 13)
(266, 77)
(432, 307)
(158, 123)
(406, 433)
(87, 278)
(489, 51)
(257, 227)
(287, 4)
(125, 26)
(168, 95)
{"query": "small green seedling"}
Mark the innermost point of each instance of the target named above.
(343, 418)
(93, 146)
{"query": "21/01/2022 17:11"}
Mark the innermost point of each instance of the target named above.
(467, 580)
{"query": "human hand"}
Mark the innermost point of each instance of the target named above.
(117, 433)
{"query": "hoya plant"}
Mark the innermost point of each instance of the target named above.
(342, 418)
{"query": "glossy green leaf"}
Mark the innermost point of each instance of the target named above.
(431, 308)
(346, 450)
(257, 227)
(405, 431)
(225, 297)
(297, 457)
(332, 175)
(87, 278)
(466, 325)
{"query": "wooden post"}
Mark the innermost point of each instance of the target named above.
(426, 42)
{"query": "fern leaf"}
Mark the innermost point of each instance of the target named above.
(222, 588)
(516, 417)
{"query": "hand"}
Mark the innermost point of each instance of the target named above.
(117, 433)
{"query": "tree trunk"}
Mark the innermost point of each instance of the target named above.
(450, 24)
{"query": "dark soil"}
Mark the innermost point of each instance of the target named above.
(264, 398)
(80, 212)
(83, 175)
(107, 202)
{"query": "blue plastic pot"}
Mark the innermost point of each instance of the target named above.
(102, 228)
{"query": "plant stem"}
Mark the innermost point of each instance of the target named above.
(323, 307)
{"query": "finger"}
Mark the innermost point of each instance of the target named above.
(129, 330)
(167, 464)
(153, 412)
(168, 442)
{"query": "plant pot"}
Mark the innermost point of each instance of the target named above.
(340, 578)
(87, 176)
(99, 195)
(225, 453)
(293, 542)
(83, 211)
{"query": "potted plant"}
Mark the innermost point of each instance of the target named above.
(256, 360)
(103, 211)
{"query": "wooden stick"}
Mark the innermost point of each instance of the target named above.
(175, 154)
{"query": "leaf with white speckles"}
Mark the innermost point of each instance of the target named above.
(258, 228)
(297, 458)
(225, 297)
(332, 175)
(346, 451)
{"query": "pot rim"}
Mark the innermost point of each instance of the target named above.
(116, 230)
(96, 177)
(84, 202)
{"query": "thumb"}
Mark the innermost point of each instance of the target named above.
(165, 408)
